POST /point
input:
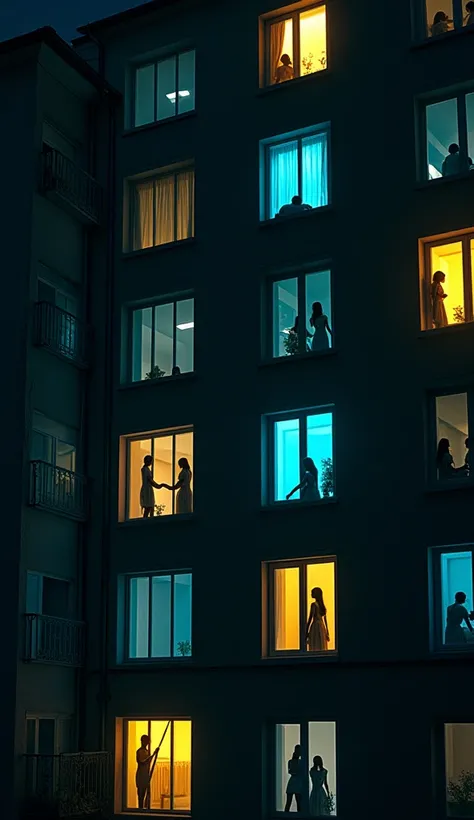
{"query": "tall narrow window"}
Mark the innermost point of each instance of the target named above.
(295, 44)
(299, 749)
(453, 604)
(296, 166)
(165, 458)
(449, 136)
(451, 454)
(459, 768)
(307, 295)
(162, 209)
(162, 340)
(164, 88)
(159, 608)
(447, 281)
(162, 783)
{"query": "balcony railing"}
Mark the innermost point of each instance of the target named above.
(59, 490)
(64, 178)
(74, 784)
(54, 640)
(60, 332)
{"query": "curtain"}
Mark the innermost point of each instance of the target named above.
(315, 170)
(277, 35)
(279, 608)
(143, 216)
(164, 205)
(283, 161)
(185, 209)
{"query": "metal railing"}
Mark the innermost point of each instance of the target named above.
(54, 640)
(71, 183)
(60, 331)
(57, 489)
(76, 784)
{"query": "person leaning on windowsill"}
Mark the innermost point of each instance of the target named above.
(296, 206)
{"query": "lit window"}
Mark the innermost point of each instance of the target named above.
(159, 616)
(157, 757)
(295, 44)
(301, 605)
(459, 769)
(304, 776)
(451, 457)
(449, 136)
(164, 458)
(161, 209)
(295, 173)
(443, 16)
(162, 340)
(164, 89)
(452, 574)
(307, 295)
(447, 281)
(301, 456)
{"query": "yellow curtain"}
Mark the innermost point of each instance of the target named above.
(185, 209)
(279, 607)
(164, 203)
(143, 216)
(277, 36)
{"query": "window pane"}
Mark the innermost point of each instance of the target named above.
(315, 170)
(144, 95)
(185, 335)
(143, 215)
(456, 577)
(160, 616)
(313, 40)
(280, 51)
(320, 580)
(165, 221)
(322, 762)
(137, 450)
(163, 474)
(286, 458)
(65, 455)
(139, 617)
(319, 449)
(287, 608)
(452, 430)
(141, 343)
(31, 736)
(160, 784)
(447, 294)
(46, 736)
(318, 309)
(182, 615)
(135, 730)
(470, 126)
(289, 769)
(441, 132)
(283, 182)
(439, 17)
(185, 205)
(186, 82)
(163, 362)
(182, 765)
(183, 472)
(459, 755)
(166, 89)
(285, 307)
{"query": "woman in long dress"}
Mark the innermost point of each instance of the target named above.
(147, 496)
(445, 463)
(455, 615)
(295, 785)
(438, 296)
(319, 797)
(317, 632)
(184, 497)
(309, 483)
(319, 323)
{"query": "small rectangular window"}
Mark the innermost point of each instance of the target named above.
(164, 88)
(159, 608)
(447, 285)
(162, 782)
(295, 44)
(449, 136)
(162, 340)
(459, 769)
(307, 295)
(453, 604)
(444, 16)
(304, 773)
(162, 209)
(451, 454)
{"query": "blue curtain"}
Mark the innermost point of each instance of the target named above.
(283, 175)
(315, 170)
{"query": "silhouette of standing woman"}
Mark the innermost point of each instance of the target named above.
(295, 783)
(147, 496)
(317, 632)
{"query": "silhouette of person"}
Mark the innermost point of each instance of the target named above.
(297, 206)
(317, 632)
(455, 615)
(318, 801)
(319, 323)
(445, 462)
(468, 458)
(184, 497)
(176, 371)
(142, 777)
(469, 19)
(453, 163)
(309, 483)
(295, 785)
(293, 335)
(147, 496)
(285, 71)
(441, 24)
(438, 296)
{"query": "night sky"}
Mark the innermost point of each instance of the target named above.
(20, 16)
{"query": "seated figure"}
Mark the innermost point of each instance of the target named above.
(297, 206)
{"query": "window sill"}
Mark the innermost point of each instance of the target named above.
(157, 248)
(281, 220)
(310, 354)
(426, 42)
(163, 663)
(297, 504)
(329, 656)
(456, 651)
(451, 486)
(147, 383)
(127, 132)
(308, 78)
(462, 327)
(142, 522)
(433, 183)
(151, 812)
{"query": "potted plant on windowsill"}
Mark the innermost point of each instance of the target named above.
(461, 795)
(327, 477)
(184, 648)
(159, 509)
(155, 373)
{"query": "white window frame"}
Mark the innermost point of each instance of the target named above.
(432, 472)
(437, 616)
(442, 96)
(172, 657)
(134, 182)
(59, 721)
(427, 275)
(159, 303)
(295, 17)
(155, 63)
(269, 311)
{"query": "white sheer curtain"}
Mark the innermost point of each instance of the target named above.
(164, 204)
(143, 215)
(277, 36)
(185, 209)
(315, 170)
(283, 172)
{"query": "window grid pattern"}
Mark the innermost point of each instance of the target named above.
(162, 209)
(297, 166)
(158, 610)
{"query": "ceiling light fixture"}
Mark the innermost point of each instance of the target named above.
(185, 326)
(172, 95)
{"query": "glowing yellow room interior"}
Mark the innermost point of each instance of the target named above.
(312, 39)
(287, 606)
(175, 750)
(163, 469)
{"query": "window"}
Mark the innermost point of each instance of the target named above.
(301, 455)
(165, 782)
(295, 44)
(170, 455)
(459, 769)
(47, 596)
(449, 128)
(301, 606)
(162, 209)
(447, 282)
(60, 325)
(304, 774)
(162, 340)
(296, 165)
(307, 295)
(452, 608)
(164, 89)
(53, 443)
(159, 616)
(450, 452)
(442, 16)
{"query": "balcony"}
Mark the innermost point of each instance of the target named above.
(68, 785)
(64, 181)
(60, 332)
(58, 490)
(54, 640)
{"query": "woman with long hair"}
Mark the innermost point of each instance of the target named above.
(295, 785)
(317, 632)
(184, 497)
(438, 296)
(319, 798)
(445, 462)
(319, 323)
(441, 24)
(309, 482)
